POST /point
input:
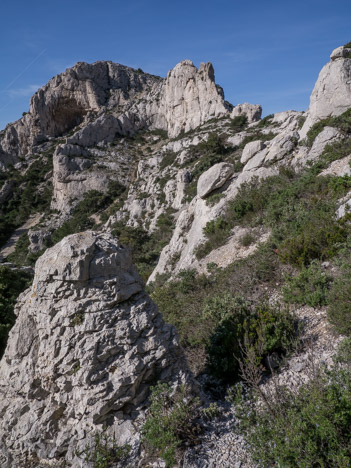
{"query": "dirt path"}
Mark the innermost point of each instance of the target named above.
(10, 245)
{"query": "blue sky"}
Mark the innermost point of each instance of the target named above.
(264, 52)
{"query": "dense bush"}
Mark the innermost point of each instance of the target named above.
(318, 239)
(241, 324)
(180, 302)
(167, 159)
(309, 286)
(12, 283)
(307, 428)
(238, 123)
(169, 421)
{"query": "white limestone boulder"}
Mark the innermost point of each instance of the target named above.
(214, 178)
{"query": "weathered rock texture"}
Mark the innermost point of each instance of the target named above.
(332, 92)
(87, 343)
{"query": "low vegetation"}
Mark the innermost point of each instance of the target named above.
(304, 428)
(298, 208)
(308, 287)
(103, 452)
(339, 295)
(170, 421)
(266, 121)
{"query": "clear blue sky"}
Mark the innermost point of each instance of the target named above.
(266, 52)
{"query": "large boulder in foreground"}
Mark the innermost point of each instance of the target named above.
(87, 343)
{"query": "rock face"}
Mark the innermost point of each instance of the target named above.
(87, 343)
(332, 92)
(191, 97)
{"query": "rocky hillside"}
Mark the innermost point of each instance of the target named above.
(227, 216)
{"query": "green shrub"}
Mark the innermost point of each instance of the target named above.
(19, 256)
(307, 428)
(163, 134)
(214, 198)
(318, 240)
(211, 412)
(217, 231)
(12, 283)
(336, 150)
(348, 45)
(247, 239)
(169, 421)
(266, 121)
(308, 287)
(104, 452)
(182, 300)
(343, 355)
(262, 327)
(302, 120)
(299, 209)
(238, 123)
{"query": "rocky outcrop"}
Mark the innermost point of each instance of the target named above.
(190, 97)
(74, 97)
(101, 100)
(86, 345)
(331, 95)
(253, 112)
